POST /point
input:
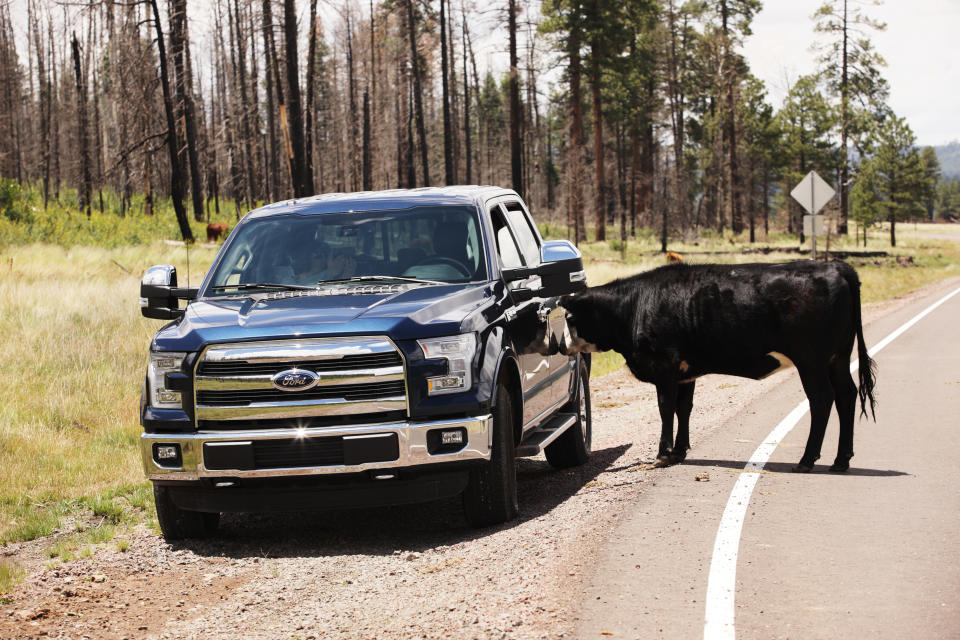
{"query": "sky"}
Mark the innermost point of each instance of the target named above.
(919, 45)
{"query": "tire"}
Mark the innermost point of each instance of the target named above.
(572, 448)
(180, 524)
(491, 494)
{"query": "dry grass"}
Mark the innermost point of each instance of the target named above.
(71, 369)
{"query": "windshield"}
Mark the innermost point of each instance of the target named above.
(439, 244)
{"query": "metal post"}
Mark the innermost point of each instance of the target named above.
(813, 223)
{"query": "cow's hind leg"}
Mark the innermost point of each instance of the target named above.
(667, 401)
(846, 400)
(684, 407)
(816, 384)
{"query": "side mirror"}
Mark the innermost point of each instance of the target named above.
(159, 293)
(561, 269)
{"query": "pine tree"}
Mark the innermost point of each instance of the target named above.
(852, 68)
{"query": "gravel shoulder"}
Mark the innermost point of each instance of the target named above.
(410, 572)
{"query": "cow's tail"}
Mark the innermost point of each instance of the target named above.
(867, 368)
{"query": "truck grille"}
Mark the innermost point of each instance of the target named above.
(291, 453)
(355, 376)
(311, 452)
(270, 368)
(226, 398)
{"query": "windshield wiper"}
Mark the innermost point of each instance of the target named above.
(381, 279)
(262, 285)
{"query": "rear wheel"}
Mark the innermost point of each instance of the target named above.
(177, 523)
(491, 494)
(572, 448)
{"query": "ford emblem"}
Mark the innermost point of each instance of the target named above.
(295, 380)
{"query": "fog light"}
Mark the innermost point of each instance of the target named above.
(167, 455)
(168, 397)
(169, 452)
(443, 441)
(451, 437)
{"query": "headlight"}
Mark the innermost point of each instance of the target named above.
(458, 351)
(162, 363)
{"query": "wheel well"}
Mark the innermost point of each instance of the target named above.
(510, 377)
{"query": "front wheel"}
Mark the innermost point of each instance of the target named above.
(491, 494)
(177, 523)
(572, 448)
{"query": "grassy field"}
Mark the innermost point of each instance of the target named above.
(74, 353)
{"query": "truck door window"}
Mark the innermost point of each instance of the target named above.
(526, 238)
(506, 245)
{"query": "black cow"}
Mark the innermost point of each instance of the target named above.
(679, 322)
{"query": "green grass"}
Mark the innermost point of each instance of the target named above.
(24, 220)
(10, 576)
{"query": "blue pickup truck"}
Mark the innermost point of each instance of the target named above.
(363, 349)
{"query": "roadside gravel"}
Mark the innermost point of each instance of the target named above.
(411, 572)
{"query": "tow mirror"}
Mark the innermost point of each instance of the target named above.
(560, 270)
(159, 294)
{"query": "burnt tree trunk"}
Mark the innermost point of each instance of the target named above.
(575, 204)
(417, 93)
(86, 186)
(516, 150)
(176, 172)
(184, 92)
(445, 83)
(308, 124)
(302, 184)
(367, 173)
(598, 155)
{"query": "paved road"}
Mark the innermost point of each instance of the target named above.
(874, 553)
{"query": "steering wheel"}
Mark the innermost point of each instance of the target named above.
(450, 262)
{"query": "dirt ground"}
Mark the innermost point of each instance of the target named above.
(406, 572)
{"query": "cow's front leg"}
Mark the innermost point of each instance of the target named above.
(684, 407)
(667, 400)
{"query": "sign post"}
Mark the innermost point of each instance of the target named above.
(813, 193)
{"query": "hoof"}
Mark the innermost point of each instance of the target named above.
(677, 457)
(840, 467)
(802, 468)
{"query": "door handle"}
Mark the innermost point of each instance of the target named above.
(543, 313)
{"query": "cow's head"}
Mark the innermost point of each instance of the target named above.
(588, 327)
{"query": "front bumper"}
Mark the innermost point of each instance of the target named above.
(413, 449)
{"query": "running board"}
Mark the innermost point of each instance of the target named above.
(536, 440)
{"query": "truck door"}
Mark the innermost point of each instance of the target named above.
(549, 310)
(526, 327)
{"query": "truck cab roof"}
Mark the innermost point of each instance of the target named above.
(383, 200)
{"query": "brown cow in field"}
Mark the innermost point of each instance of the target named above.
(215, 230)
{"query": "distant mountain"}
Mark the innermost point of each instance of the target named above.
(949, 157)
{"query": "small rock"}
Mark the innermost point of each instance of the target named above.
(702, 477)
(99, 578)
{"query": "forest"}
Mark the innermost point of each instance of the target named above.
(608, 116)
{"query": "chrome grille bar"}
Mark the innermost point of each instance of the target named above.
(364, 375)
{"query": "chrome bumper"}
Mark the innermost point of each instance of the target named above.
(412, 438)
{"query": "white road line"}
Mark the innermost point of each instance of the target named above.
(721, 582)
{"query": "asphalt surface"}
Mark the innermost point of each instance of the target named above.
(872, 553)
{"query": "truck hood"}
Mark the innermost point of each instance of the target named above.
(418, 311)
